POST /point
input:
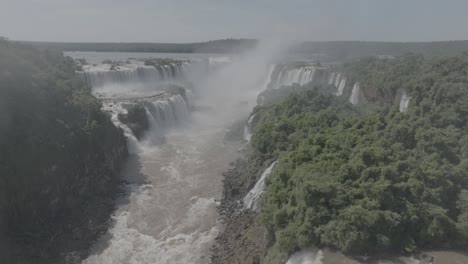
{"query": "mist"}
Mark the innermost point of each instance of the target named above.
(232, 91)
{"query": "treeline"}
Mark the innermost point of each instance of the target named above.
(59, 156)
(324, 51)
(348, 50)
(369, 181)
(215, 46)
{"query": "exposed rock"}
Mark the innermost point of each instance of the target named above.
(136, 119)
(243, 239)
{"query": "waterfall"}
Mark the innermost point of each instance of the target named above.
(287, 76)
(331, 80)
(354, 99)
(114, 110)
(248, 128)
(341, 87)
(252, 198)
(163, 113)
(269, 77)
(321, 75)
(338, 79)
(168, 113)
(404, 102)
(308, 256)
(105, 74)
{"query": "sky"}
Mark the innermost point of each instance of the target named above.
(202, 20)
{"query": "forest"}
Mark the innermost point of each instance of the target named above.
(59, 158)
(370, 179)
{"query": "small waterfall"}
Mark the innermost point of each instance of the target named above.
(331, 80)
(252, 198)
(404, 102)
(114, 110)
(248, 128)
(308, 256)
(354, 99)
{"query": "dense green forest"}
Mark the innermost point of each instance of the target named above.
(59, 156)
(363, 180)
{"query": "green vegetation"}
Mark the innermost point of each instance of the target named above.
(59, 154)
(366, 181)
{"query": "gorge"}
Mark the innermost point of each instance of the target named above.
(357, 163)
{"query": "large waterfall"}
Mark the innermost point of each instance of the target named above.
(106, 74)
(303, 74)
(285, 75)
(164, 111)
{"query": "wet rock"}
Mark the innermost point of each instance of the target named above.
(136, 119)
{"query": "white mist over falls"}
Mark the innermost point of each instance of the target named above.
(173, 184)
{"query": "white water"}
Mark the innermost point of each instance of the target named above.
(404, 102)
(248, 128)
(171, 218)
(169, 213)
(102, 75)
(307, 256)
(341, 87)
(252, 198)
(354, 99)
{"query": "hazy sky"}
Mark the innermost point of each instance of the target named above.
(200, 20)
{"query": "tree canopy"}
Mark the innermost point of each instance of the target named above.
(370, 181)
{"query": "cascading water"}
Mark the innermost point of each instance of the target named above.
(169, 212)
(127, 74)
(163, 112)
(286, 75)
(248, 128)
(300, 75)
(404, 102)
(252, 198)
(354, 99)
(308, 256)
